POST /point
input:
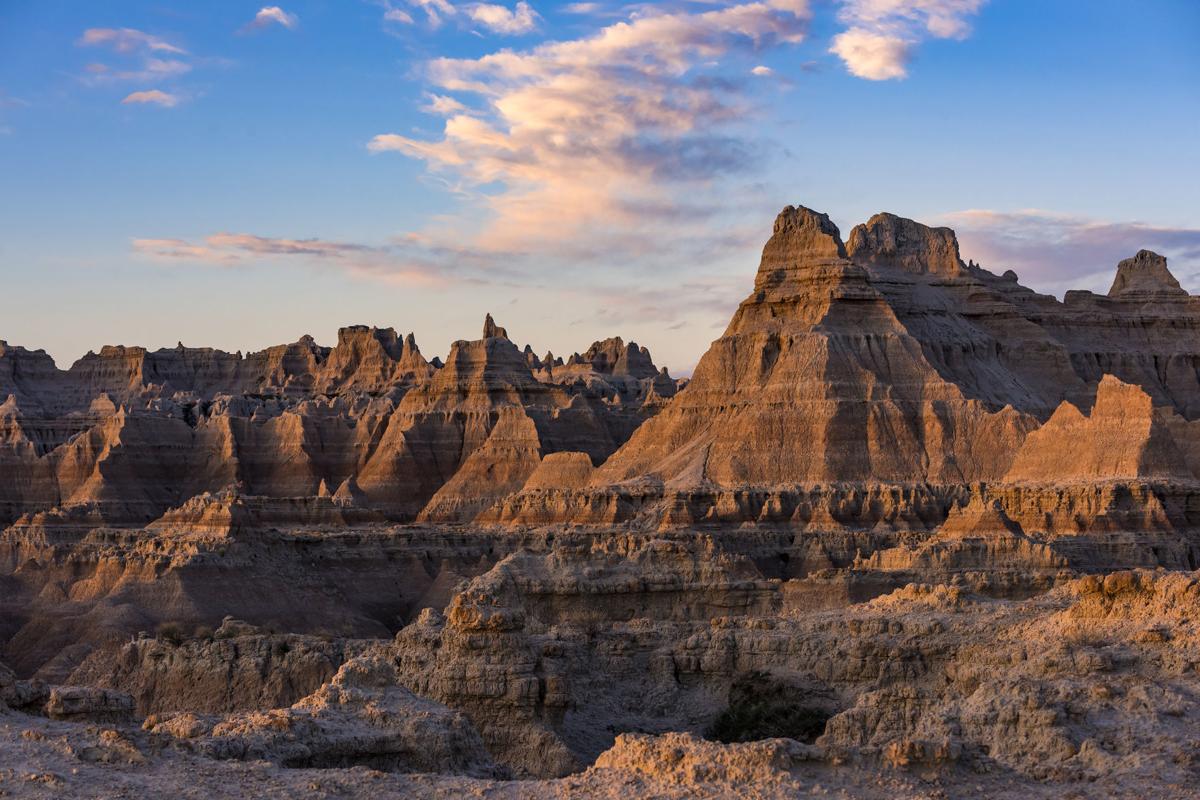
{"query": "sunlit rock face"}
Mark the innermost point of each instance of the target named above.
(908, 522)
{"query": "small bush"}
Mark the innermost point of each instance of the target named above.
(171, 633)
(765, 706)
(763, 720)
(282, 648)
(204, 632)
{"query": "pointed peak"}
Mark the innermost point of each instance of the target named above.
(978, 517)
(1145, 272)
(348, 493)
(491, 330)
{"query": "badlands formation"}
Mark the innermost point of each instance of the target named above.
(911, 530)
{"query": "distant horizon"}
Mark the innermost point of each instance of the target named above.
(685, 372)
(236, 177)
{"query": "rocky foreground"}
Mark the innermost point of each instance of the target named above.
(912, 529)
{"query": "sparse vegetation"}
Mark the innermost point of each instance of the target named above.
(171, 633)
(763, 720)
(760, 707)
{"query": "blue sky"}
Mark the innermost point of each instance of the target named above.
(236, 175)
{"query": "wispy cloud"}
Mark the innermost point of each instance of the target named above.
(584, 146)
(405, 262)
(491, 17)
(436, 9)
(397, 15)
(268, 16)
(1054, 252)
(883, 34)
(8, 101)
(443, 106)
(127, 40)
(151, 69)
(152, 97)
(140, 58)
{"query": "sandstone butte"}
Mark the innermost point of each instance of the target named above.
(910, 530)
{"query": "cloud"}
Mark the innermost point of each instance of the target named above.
(500, 19)
(435, 10)
(405, 263)
(762, 71)
(177, 249)
(397, 15)
(583, 147)
(492, 17)
(443, 106)
(1054, 252)
(147, 59)
(883, 34)
(268, 16)
(152, 97)
(874, 56)
(151, 69)
(127, 40)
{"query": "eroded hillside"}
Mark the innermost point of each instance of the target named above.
(911, 529)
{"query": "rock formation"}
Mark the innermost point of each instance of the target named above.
(136, 433)
(911, 528)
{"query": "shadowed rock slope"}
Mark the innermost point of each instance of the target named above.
(369, 422)
(911, 530)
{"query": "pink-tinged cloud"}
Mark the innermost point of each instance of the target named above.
(157, 61)
(874, 56)
(501, 19)
(151, 97)
(443, 106)
(390, 264)
(590, 143)
(883, 34)
(271, 15)
(127, 40)
(152, 69)
(1055, 252)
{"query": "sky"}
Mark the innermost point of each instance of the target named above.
(235, 175)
